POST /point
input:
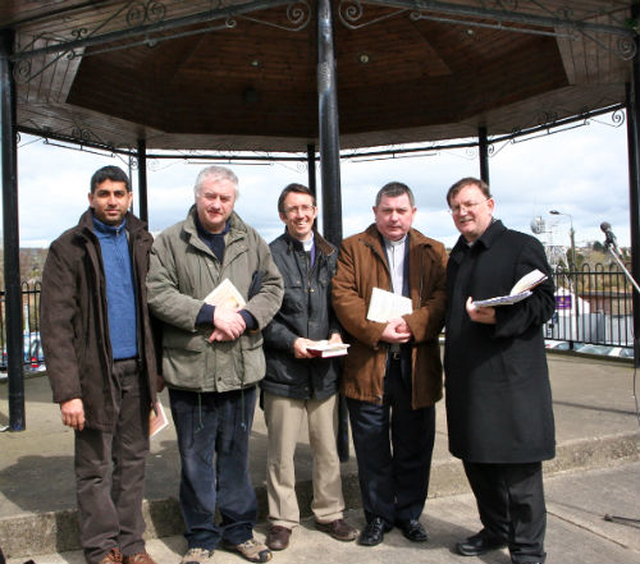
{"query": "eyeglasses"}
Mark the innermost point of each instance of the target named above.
(294, 210)
(469, 206)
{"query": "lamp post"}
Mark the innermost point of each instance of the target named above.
(571, 235)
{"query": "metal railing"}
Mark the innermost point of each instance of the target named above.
(594, 304)
(32, 356)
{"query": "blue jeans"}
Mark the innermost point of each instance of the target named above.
(213, 438)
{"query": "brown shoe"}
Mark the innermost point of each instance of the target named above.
(278, 537)
(114, 557)
(339, 530)
(138, 558)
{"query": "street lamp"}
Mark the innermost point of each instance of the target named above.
(571, 235)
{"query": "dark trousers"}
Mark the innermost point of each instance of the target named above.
(393, 445)
(110, 469)
(510, 500)
(213, 438)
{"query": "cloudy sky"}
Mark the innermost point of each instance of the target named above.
(581, 172)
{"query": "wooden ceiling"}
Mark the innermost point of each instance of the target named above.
(241, 75)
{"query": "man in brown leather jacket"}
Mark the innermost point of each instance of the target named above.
(392, 376)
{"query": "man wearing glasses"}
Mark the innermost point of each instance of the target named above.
(498, 397)
(297, 383)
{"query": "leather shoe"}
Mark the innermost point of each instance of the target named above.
(374, 532)
(413, 530)
(479, 544)
(278, 537)
(339, 530)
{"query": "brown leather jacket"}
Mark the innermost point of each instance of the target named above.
(362, 265)
(74, 324)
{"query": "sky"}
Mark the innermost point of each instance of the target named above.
(581, 172)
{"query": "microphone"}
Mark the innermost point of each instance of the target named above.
(611, 238)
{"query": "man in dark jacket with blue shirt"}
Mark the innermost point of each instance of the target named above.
(499, 410)
(98, 346)
(297, 384)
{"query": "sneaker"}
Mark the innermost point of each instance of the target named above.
(114, 557)
(138, 558)
(197, 556)
(251, 549)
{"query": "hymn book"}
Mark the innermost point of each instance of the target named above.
(520, 291)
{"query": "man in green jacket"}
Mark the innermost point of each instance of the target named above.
(212, 359)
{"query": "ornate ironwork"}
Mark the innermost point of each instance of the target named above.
(569, 21)
(350, 12)
(298, 15)
(147, 22)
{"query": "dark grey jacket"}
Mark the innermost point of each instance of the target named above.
(306, 312)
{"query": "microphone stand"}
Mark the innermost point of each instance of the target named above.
(612, 247)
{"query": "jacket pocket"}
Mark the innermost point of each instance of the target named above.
(253, 360)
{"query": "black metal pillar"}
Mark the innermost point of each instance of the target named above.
(633, 143)
(13, 291)
(311, 168)
(143, 200)
(330, 164)
(328, 126)
(483, 145)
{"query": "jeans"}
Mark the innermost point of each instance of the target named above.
(213, 438)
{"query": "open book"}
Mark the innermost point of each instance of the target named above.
(520, 291)
(386, 305)
(226, 294)
(325, 349)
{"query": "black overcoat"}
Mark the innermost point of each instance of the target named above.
(498, 395)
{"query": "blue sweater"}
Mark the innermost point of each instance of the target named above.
(121, 298)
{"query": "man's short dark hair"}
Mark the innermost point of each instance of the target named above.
(109, 172)
(297, 189)
(393, 190)
(468, 181)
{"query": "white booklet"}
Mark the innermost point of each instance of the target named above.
(325, 349)
(520, 291)
(386, 305)
(225, 294)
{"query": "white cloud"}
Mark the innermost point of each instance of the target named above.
(582, 172)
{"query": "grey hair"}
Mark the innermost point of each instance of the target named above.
(216, 173)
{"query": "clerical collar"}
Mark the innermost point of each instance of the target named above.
(307, 244)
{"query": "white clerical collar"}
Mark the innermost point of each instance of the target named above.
(307, 244)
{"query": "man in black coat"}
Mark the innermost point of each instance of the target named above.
(498, 396)
(298, 385)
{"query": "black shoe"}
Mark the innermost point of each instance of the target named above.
(413, 530)
(374, 532)
(479, 544)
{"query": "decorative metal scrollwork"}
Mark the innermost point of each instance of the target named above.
(143, 13)
(298, 15)
(351, 12)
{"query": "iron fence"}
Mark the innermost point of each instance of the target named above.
(594, 305)
(32, 354)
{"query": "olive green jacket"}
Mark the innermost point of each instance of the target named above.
(182, 272)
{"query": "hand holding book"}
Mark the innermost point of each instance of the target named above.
(520, 291)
